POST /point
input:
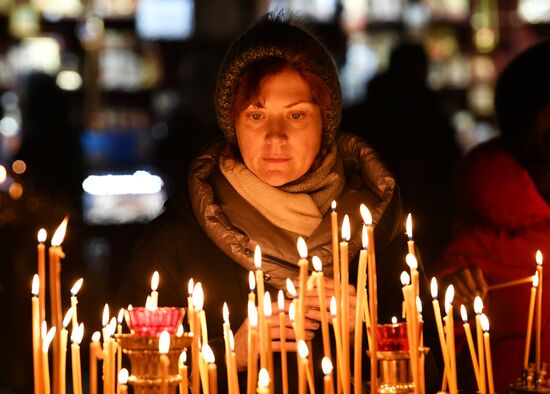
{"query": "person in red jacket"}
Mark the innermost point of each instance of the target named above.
(503, 191)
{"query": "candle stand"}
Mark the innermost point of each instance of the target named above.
(143, 352)
(532, 381)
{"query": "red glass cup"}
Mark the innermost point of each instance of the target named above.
(392, 337)
(153, 322)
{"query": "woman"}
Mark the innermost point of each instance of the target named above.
(270, 180)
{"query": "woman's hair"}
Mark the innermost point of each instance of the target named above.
(248, 87)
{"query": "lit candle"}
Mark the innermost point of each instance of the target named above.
(112, 353)
(56, 253)
(335, 254)
(337, 338)
(76, 338)
(235, 378)
(346, 231)
(326, 365)
(361, 284)
(539, 312)
(198, 302)
(439, 324)
(268, 311)
(106, 357)
(261, 314)
(184, 384)
(303, 264)
(41, 252)
(226, 328)
(320, 283)
(263, 382)
(413, 265)
(119, 319)
(95, 354)
(74, 291)
(408, 296)
(478, 308)
(154, 292)
(282, 325)
(420, 323)
(36, 342)
(208, 356)
(487, 342)
(303, 351)
(449, 296)
(252, 335)
(530, 320)
(48, 337)
(123, 380)
(373, 296)
(409, 227)
(194, 344)
(63, 355)
(164, 348)
(470, 341)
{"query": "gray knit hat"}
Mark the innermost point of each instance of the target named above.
(274, 36)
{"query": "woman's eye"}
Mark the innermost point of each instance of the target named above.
(255, 116)
(296, 116)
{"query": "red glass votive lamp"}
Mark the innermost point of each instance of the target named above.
(152, 322)
(392, 337)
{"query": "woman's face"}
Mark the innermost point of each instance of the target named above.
(279, 134)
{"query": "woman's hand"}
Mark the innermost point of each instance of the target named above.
(468, 283)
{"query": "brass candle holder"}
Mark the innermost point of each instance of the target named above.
(532, 381)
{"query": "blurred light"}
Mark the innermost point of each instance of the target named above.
(9, 100)
(9, 126)
(480, 99)
(3, 174)
(16, 191)
(141, 182)
(69, 80)
(19, 166)
(416, 16)
(534, 11)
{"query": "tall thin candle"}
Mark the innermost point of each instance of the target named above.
(320, 283)
(63, 355)
(95, 354)
(123, 380)
(337, 339)
(439, 323)
(263, 382)
(539, 312)
(282, 325)
(154, 292)
(268, 312)
(48, 337)
(449, 296)
(208, 356)
(358, 337)
(346, 231)
(478, 309)
(470, 340)
(303, 351)
(41, 252)
(36, 342)
(235, 379)
(76, 338)
(487, 342)
(251, 358)
(530, 320)
(326, 365)
(410, 242)
(184, 383)
(74, 291)
(261, 314)
(164, 348)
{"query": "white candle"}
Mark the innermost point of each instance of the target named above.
(154, 292)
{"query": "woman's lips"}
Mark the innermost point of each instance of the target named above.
(274, 159)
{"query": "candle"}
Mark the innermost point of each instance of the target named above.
(449, 296)
(112, 354)
(63, 355)
(373, 295)
(530, 320)
(539, 312)
(439, 324)
(252, 334)
(95, 354)
(337, 339)
(358, 342)
(263, 382)
(154, 292)
(119, 319)
(335, 250)
(48, 337)
(208, 356)
(190, 307)
(326, 365)
(195, 377)
(344, 272)
(76, 338)
(182, 368)
(420, 323)
(41, 252)
(36, 337)
(320, 283)
(123, 380)
(282, 325)
(226, 328)
(410, 242)
(261, 315)
(252, 287)
(106, 358)
(74, 291)
(268, 311)
(303, 351)
(303, 264)
(56, 253)
(234, 363)
(487, 342)
(478, 308)
(408, 296)
(164, 348)
(198, 302)
(471, 347)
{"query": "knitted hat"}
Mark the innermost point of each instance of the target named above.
(274, 36)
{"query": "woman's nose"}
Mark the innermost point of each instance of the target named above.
(276, 132)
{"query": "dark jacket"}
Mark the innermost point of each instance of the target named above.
(177, 245)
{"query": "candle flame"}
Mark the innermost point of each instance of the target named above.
(35, 288)
(198, 296)
(44, 329)
(123, 376)
(346, 229)
(333, 205)
(155, 281)
(326, 365)
(225, 313)
(76, 287)
(394, 320)
(68, 317)
(179, 331)
(463, 313)
(484, 322)
(292, 311)
(231, 341)
(303, 351)
(112, 326)
(263, 379)
(183, 357)
(409, 227)
(333, 306)
(252, 314)
(258, 257)
(365, 214)
(164, 342)
(433, 288)
(190, 286)
(77, 334)
(418, 304)
(290, 288)
(317, 264)
(251, 281)
(364, 237)
(96, 336)
(59, 234)
(405, 278)
(449, 297)
(120, 316)
(281, 301)
(411, 261)
(536, 279)
(149, 304)
(42, 235)
(48, 339)
(478, 305)
(302, 248)
(538, 257)
(268, 310)
(208, 354)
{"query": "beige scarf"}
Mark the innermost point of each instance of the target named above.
(298, 206)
